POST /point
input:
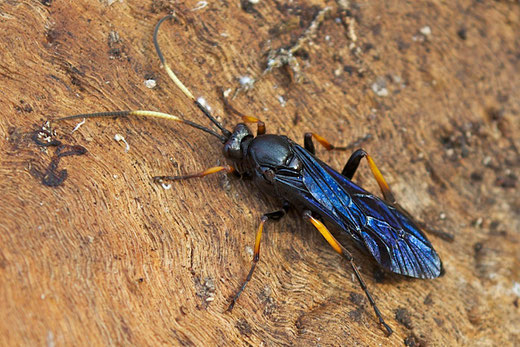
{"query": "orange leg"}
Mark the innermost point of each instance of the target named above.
(309, 145)
(276, 215)
(353, 163)
(348, 256)
(246, 119)
(209, 171)
(351, 167)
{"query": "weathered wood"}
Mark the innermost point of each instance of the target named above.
(109, 257)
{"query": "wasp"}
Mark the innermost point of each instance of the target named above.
(294, 175)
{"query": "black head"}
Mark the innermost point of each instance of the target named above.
(235, 148)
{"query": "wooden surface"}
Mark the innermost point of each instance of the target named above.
(109, 257)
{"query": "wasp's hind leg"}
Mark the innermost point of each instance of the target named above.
(307, 215)
(276, 215)
(352, 165)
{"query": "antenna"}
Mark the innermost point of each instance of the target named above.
(178, 82)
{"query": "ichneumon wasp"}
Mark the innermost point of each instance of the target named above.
(294, 175)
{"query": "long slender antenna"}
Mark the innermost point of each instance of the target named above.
(144, 113)
(178, 82)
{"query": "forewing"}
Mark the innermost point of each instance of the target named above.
(394, 241)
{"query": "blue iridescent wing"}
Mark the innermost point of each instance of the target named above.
(389, 235)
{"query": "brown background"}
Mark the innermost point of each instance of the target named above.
(109, 257)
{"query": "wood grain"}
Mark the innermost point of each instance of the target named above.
(110, 258)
